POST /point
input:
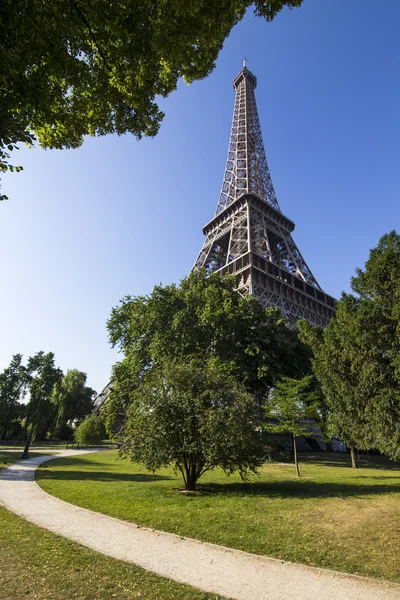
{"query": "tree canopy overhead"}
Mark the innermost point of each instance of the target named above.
(72, 68)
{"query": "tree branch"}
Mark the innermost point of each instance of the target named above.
(82, 16)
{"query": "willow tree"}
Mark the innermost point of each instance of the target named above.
(13, 384)
(72, 399)
(42, 375)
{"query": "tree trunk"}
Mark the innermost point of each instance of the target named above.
(191, 479)
(26, 428)
(353, 456)
(296, 462)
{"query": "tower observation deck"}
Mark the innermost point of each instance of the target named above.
(249, 236)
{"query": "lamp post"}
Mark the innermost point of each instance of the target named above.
(25, 454)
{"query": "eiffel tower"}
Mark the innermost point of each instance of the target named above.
(248, 235)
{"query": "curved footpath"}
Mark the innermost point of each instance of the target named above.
(208, 567)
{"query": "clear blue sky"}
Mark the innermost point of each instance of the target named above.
(85, 227)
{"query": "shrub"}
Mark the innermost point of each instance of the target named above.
(64, 432)
(90, 431)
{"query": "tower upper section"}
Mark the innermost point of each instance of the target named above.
(246, 169)
(249, 236)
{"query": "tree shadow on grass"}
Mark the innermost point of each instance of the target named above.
(380, 477)
(303, 488)
(48, 474)
(339, 459)
(74, 461)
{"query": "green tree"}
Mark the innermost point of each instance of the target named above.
(13, 383)
(203, 317)
(339, 377)
(194, 415)
(72, 399)
(90, 431)
(357, 356)
(289, 407)
(42, 377)
(72, 68)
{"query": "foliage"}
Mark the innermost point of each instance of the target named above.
(15, 429)
(289, 406)
(195, 416)
(357, 357)
(42, 377)
(117, 402)
(90, 431)
(54, 400)
(12, 387)
(72, 398)
(274, 450)
(85, 67)
(338, 378)
(333, 517)
(203, 317)
(63, 432)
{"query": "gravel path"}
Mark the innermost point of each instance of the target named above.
(211, 568)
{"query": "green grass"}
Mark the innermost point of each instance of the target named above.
(36, 564)
(332, 517)
(20, 445)
(7, 458)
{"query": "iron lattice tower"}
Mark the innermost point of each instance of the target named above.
(248, 235)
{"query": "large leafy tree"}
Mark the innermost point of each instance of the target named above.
(357, 356)
(72, 398)
(43, 376)
(337, 367)
(13, 381)
(203, 317)
(71, 68)
(194, 415)
(289, 408)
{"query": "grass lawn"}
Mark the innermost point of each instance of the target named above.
(36, 564)
(333, 516)
(7, 458)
